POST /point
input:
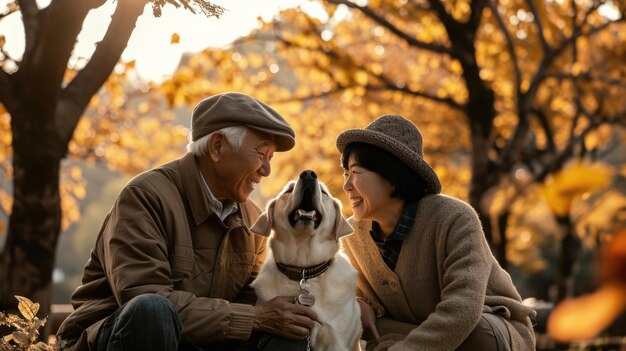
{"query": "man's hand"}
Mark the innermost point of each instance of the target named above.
(368, 319)
(282, 317)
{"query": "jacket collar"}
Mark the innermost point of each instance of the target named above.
(198, 200)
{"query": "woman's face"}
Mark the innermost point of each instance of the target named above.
(369, 193)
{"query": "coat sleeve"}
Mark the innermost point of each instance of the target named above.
(135, 251)
(464, 272)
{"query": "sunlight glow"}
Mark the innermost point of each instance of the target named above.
(315, 10)
(610, 11)
(150, 44)
(327, 34)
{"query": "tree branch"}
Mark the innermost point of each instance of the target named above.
(539, 25)
(590, 10)
(525, 99)
(547, 129)
(392, 28)
(75, 97)
(392, 86)
(55, 41)
(476, 7)
(510, 46)
(550, 165)
(443, 15)
(29, 11)
(550, 55)
(389, 84)
(567, 153)
(11, 10)
(588, 77)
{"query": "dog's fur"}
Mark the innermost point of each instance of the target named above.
(306, 241)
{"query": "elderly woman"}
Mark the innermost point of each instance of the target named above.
(427, 278)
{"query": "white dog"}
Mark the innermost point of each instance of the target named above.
(304, 261)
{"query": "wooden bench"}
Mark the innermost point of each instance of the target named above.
(58, 313)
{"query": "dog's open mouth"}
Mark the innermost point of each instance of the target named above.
(305, 212)
(305, 217)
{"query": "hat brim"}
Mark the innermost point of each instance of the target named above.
(403, 153)
(284, 141)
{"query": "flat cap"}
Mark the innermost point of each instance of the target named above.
(238, 109)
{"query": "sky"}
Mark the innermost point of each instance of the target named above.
(150, 46)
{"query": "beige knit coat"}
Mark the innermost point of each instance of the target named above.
(446, 276)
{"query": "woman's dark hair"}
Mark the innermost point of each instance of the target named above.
(407, 184)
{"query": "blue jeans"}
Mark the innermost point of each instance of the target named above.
(150, 322)
(146, 322)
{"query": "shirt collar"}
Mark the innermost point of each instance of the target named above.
(222, 210)
(402, 228)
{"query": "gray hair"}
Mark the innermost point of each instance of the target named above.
(234, 136)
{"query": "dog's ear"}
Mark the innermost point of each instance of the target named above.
(342, 227)
(263, 225)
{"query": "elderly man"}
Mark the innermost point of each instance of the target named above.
(174, 258)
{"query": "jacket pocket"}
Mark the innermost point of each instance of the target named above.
(240, 267)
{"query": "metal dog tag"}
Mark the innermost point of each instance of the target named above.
(306, 299)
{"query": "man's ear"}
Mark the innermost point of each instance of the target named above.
(342, 227)
(263, 225)
(215, 146)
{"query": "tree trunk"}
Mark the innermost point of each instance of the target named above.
(568, 255)
(502, 243)
(480, 113)
(35, 223)
(44, 113)
(479, 107)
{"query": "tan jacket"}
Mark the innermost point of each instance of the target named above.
(161, 237)
(446, 276)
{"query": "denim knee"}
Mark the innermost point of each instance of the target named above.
(154, 310)
(146, 322)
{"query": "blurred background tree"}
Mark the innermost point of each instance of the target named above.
(44, 94)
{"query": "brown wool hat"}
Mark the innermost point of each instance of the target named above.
(401, 138)
(237, 109)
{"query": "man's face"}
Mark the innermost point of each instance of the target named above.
(240, 171)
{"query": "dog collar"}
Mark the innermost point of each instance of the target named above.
(298, 273)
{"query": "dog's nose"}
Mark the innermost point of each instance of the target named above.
(308, 175)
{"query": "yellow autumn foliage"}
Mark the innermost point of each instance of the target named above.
(571, 183)
(24, 331)
(175, 39)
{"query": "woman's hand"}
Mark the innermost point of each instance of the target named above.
(368, 319)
